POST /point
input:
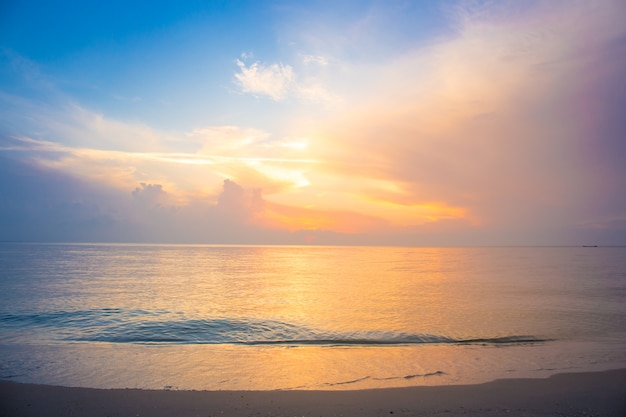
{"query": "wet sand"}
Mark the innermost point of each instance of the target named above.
(574, 394)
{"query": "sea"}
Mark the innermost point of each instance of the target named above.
(207, 317)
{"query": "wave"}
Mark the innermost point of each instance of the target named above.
(161, 327)
(365, 378)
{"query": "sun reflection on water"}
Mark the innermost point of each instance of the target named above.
(263, 317)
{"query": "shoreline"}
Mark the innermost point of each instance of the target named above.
(567, 394)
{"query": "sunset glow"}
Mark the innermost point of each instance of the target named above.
(425, 123)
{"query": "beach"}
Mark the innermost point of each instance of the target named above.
(571, 394)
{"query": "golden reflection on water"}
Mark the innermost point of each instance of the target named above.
(346, 290)
(323, 288)
(444, 292)
(228, 367)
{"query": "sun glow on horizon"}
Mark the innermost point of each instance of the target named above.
(494, 120)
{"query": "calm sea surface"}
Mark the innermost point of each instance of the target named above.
(281, 317)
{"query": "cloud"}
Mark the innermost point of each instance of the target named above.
(507, 129)
(496, 123)
(98, 148)
(151, 195)
(280, 82)
(315, 60)
(235, 202)
(229, 140)
(274, 81)
(44, 204)
(41, 204)
(296, 219)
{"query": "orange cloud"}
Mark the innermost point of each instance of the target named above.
(296, 218)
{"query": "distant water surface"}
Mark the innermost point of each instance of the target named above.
(284, 317)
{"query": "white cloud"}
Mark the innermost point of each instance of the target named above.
(280, 81)
(314, 60)
(274, 81)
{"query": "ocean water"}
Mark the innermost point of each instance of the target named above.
(285, 317)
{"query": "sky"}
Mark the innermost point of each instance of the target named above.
(428, 123)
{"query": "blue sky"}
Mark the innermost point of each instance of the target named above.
(172, 64)
(423, 122)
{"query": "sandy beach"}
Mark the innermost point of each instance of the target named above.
(575, 394)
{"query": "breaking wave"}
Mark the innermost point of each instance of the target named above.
(161, 327)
